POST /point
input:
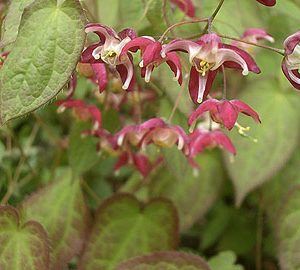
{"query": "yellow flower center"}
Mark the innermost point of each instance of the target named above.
(203, 66)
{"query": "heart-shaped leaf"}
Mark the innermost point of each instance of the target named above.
(61, 209)
(12, 21)
(202, 188)
(289, 233)
(50, 40)
(170, 260)
(256, 163)
(23, 246)
(125, 228)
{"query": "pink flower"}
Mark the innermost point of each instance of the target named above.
(83, 110)
(291, 62)
(166, 137)
(202, 139)
(267, 2)
(151, 56)
(253, 35)
(186, 6)
(224, 112)
(135, 133)
(140, 162)
(107, 53)
(207, 56)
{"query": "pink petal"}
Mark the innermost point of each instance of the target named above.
(101, 75)
(207, 105)
(245, 109)
(151, 53)
(127, 32)
(102, 31)
(174, 63)
(142, 163)
(181, 45)
(258, 33)
(245, 56)
(292, 75)
(122, 161)
(126, 71)
(200, 86)
(136, 44)
(267, 2)
(87, 55)
(152, 123)
(186, 6)
(222, 140)
(228, 114)
(291, 42)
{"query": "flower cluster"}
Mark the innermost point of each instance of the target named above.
(208, 56)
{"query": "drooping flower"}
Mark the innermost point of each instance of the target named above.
(253, 35)
(186, 6)
(207, 56)
(268, 3)
(151, 56)
(83, 111)
(224, 112)
(139, 161)
(106, 53)
(134, 134)
(202, 139)
(291, 61)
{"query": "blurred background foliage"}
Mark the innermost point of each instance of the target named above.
(263, 180)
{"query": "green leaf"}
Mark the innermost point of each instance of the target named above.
(275, 191)
(23, 246)
(82, 150)
(155, 14)
(49, 43)
(256, 163)
(224, 260)
(125, 228)
(288, 233)
(179, 180)
(170, 260)
(12, 21)
(61, 209)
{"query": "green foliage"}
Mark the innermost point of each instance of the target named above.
(179, 180)
(61, 209)
(12, 21)
(125, 228)
(275, 106)
(46, 51)
(82, 149)
(224, 260)
(288, 232)
(165, 260)
(23, 245)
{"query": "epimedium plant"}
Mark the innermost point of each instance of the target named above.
(124, 179)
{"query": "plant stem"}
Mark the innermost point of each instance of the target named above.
(212, 17)
(280, 51)
(179, 24)
(176, 102)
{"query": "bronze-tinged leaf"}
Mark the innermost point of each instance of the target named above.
(125, 228)
(22, 246)
(60, 207)
(168, 260)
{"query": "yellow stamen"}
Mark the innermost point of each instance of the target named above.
(242, 131)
